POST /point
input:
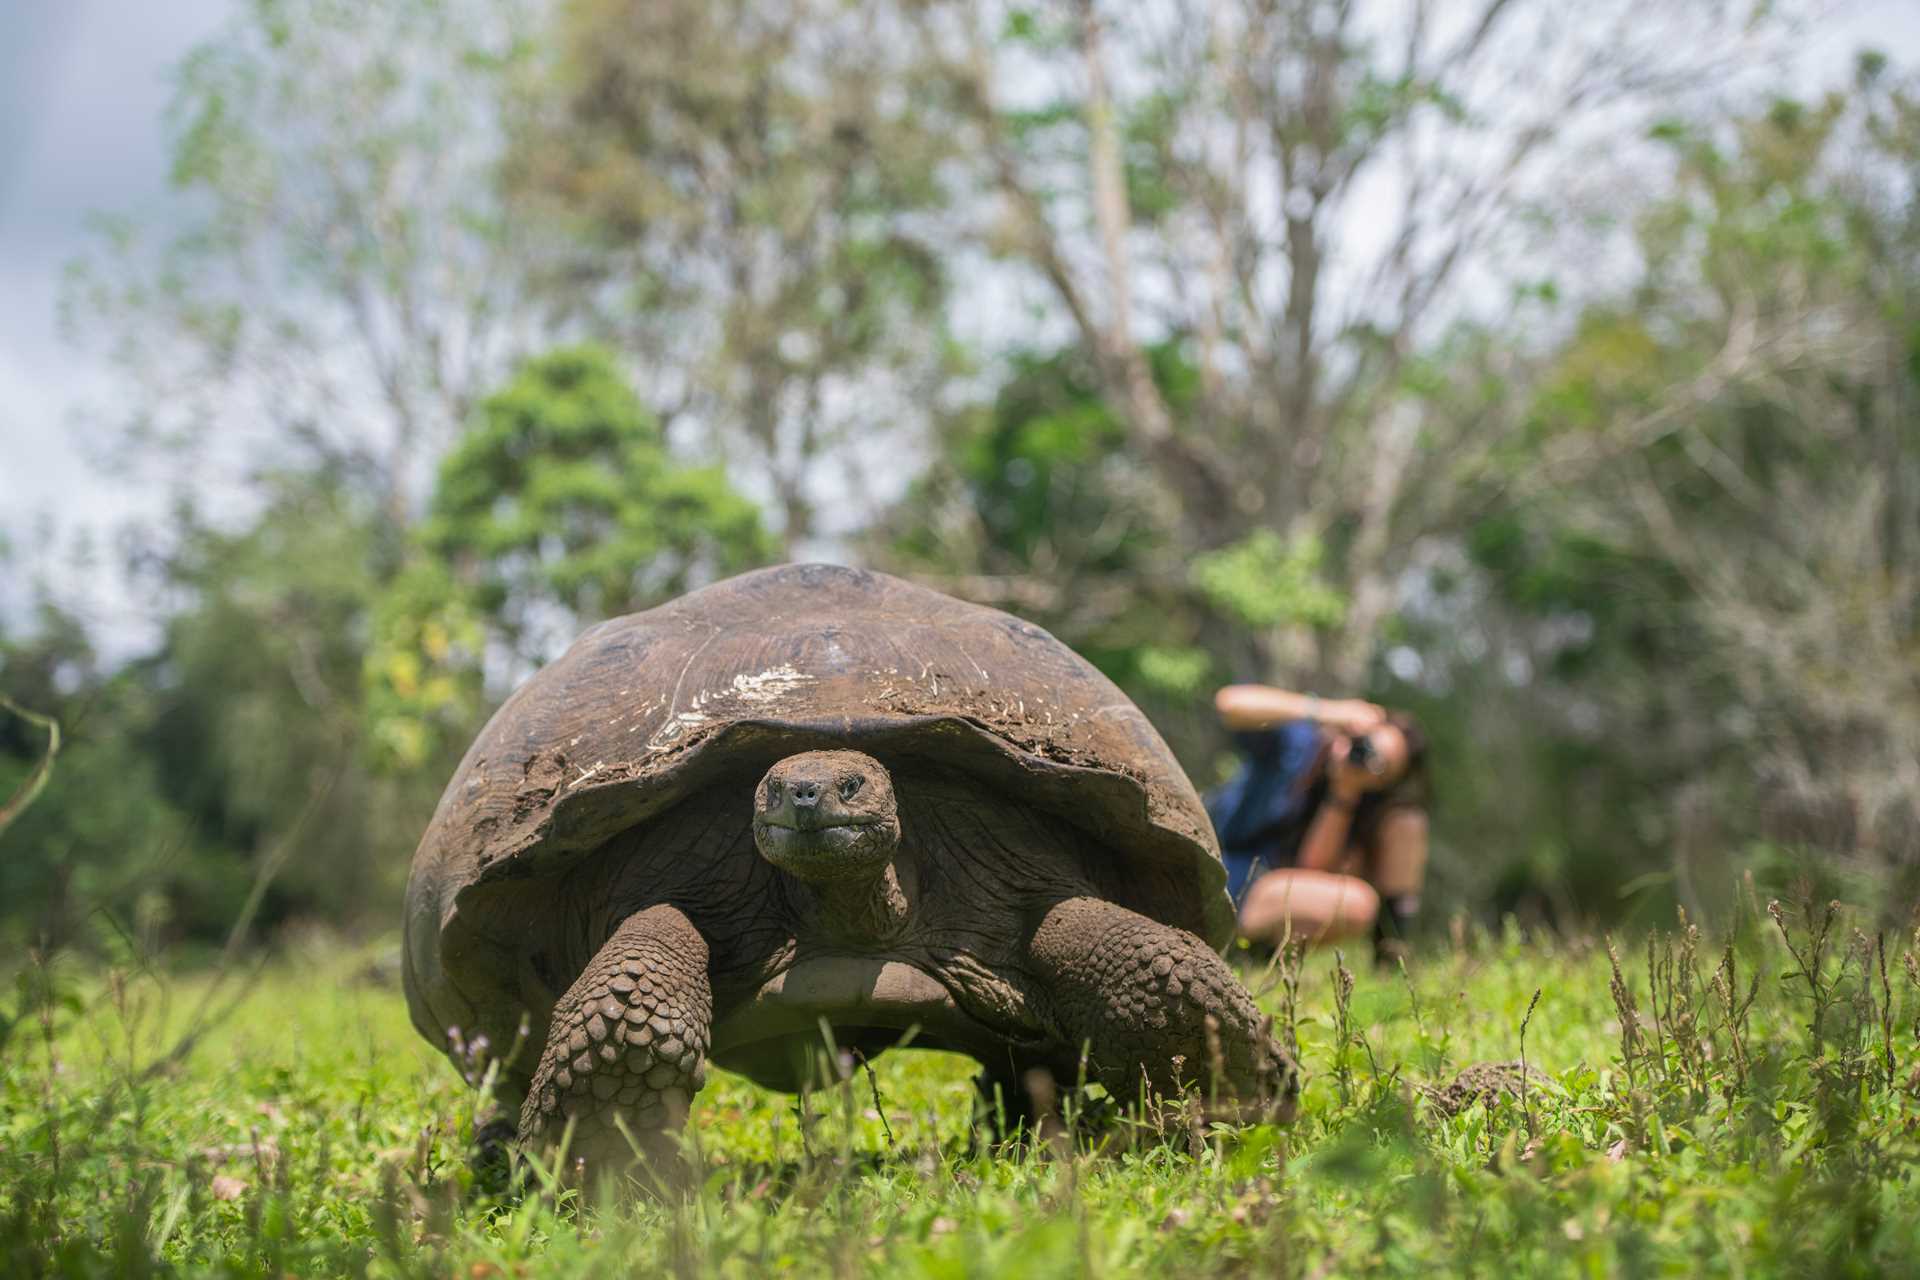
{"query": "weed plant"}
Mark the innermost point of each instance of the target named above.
(1736, 1104)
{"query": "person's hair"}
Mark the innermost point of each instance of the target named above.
(1415, 787)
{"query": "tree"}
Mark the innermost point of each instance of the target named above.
(1738, 434)
(101, 850)
(216, 786)
(559, 506)
(351, 276)
(1308, 196)
(754, 187)
(1040, 508)
(1676, 638)
(353, 279)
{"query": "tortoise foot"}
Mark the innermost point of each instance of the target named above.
(626, 1052)
(1158, 1010)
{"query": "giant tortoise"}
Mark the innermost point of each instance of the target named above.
(812, 795)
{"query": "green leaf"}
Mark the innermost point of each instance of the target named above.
(1265, 581)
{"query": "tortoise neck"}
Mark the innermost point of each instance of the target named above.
(862, 911)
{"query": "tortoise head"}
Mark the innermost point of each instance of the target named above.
(827, 816)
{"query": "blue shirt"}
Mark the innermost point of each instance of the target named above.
(1261, 812)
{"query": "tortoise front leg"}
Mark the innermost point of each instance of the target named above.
(1139, 995)
(628, 1042)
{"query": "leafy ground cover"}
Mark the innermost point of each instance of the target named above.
(1740, 1106)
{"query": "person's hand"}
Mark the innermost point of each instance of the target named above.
(1347, 781)
(1350, 715)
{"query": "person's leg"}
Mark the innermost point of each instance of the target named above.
(1400, 866)
(1399, 872)
(1321, 905)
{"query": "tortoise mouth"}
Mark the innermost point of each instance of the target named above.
(806, 820)
(854, 849)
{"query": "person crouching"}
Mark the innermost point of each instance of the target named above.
(1324, 826)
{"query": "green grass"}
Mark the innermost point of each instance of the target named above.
(311, 1132)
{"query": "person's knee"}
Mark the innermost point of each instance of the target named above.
(1311, 906)
(1360, 907)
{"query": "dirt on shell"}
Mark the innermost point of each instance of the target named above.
(1046, 732)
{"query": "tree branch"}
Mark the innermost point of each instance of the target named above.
(29, 791)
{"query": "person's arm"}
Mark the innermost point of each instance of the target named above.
(1257, 706)
(1324, 846)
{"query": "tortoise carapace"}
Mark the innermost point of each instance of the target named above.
(814, 794)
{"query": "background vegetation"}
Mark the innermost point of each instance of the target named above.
(1555, 379)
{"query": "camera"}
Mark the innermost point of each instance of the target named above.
(1360, 751)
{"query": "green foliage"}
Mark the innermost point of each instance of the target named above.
(1679, 628)
(1182, 672)
(35, 782)
(105, 844)
(558, 507)
(757, 190)
(1735, 1106)
(563, 494)
(423, 669)
(1264, 581)
(1033, 27)
(228, 759)
(1148, 139)
(1039, 491)
(1611, 362)
(1038, 465)
(1377, 105)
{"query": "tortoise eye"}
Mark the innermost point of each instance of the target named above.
(773, 788)
(851, 787)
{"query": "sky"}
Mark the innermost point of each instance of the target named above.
(83, 89)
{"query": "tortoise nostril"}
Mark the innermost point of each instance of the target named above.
(805, 793)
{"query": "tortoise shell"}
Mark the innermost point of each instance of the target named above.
(643, 711)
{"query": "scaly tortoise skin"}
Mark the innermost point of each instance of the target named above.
(814, 793)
